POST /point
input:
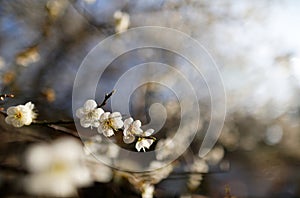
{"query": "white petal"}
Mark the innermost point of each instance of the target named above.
(148, 142)
(118, 123)
(108, 133)
(12, 110)
(126, 132)
(90, 105)
(128, 139)
(144, 143)
(148, 132)
(104, 116)
(128, 122)
(99, 112)
(80, 113)
(29, 105)
(85, 123)
(100, 129)
(115, 115)
(138, 131)
(17, 122)
(137, 124)
(138, 145)
(95, 124)
(9, 119)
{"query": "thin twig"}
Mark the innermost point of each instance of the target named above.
(64, 129)
(107, 96)
(45, 122)
(9, 168)
(3, 112)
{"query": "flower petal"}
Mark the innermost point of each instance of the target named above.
(117, 123)
(80, 113)
(104, 116)
(137, 124)
(90, 105)
(108, 133)
(148, 132)
(128, 122)
(128, 139)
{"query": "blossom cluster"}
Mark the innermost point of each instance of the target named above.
(107, 123)
(58, 169)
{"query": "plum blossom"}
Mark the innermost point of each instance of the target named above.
(89, 114)
(57, 169)
(131, 129)
(110, 122)
(20, 115)
(145, 141)
(165, 148)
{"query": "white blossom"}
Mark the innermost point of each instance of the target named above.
(122, 21)
(20, 115)
(89, 114)
(110, 122)
(145, 141)
(56, 169)
(99, 171)
(165, 148)
(131, 129)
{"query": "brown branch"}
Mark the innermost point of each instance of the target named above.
(45, 122)
(107, 96)
(64, 129)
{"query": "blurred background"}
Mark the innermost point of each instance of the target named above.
(255, 44)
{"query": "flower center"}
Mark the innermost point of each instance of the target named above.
(18, 115)
(91, 114)
(58, 167)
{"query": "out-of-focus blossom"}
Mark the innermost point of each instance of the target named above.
(194, 181)
(144, 181)
(147, 190)
(110, 122)
(199, 166)
(49, 94)
(215, 155)
(28, 56)
(161, 171)
(122, 21)
(99, 171)
(57, 169)
(93, 145)
(164, 148)
(131, 128)
(56, 8)
(89, 114)
(20, 115)
(8, 77)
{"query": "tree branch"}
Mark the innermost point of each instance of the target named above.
(107, 96)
